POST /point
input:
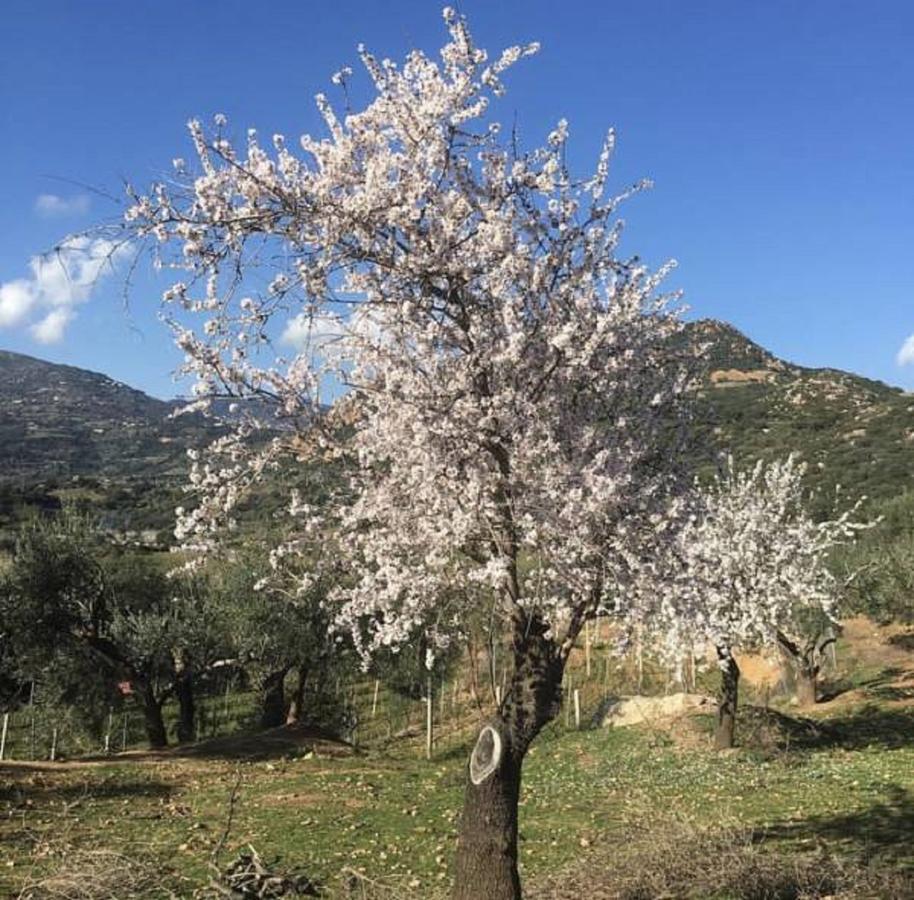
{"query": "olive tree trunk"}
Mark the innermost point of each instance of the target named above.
(152, 715)
(184, 691)
(487, 844)
(273, 699)
(297, 701)
(727, 700)
(805, 658)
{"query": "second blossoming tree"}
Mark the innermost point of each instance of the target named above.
(747, 570)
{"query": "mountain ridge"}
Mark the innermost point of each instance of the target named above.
(64, 429)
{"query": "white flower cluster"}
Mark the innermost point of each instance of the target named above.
(516, 393)
(747, 562)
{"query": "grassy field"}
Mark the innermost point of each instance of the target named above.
(619, 812)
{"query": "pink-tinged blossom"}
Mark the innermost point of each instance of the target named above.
(513, 413)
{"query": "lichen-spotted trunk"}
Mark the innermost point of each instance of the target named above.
(487, 846)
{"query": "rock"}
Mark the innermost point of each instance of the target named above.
(638, 709)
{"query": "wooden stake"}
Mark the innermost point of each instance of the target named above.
(6, 722)
(32, 721)
(587, 648)
(108, 732)
(54, 744)
(577, 708)
(374, 699)
(429, 717)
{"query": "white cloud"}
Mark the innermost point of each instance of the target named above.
(58, 283)
(311, 332)
(53, 206)
(16, 301)
(51, 328)
(905, 355)
(324, 332)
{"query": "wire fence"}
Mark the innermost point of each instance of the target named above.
(373, 716)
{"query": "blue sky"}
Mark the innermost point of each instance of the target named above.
(779, 136)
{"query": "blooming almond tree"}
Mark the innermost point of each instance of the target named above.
(747, 569)
(509, 403)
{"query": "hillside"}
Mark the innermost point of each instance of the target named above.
(852, 431)
(69, 433)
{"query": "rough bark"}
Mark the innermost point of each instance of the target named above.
(805, 661)
(487, 845)
(273, 699)
(297, 700)
(184, 691)
(806, 685)
(152, 716)
(727, 700)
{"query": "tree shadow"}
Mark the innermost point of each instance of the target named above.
(37, 791)
(868, 726)
(882, 831)
(286, 740)
(868, 686)
(904, 640)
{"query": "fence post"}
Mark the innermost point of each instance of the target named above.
(587, 647)
(32, 720)
(429, 718)
(374, 699)
(6, 722)
(577, 708)
(108, 732)
(54, 744)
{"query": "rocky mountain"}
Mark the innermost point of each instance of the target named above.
(70, 434)
(66, 433)
(59, 421)
(855, 434)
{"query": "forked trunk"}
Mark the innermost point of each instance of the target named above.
(487, 845)
(727, 701)
(273, 699)
(297, 701)
(805, 662)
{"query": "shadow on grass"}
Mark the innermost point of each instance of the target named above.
(761, 728)
(287, 740)
(881, 832)
(37, 791)
(869, 686)
(869, 726)
(904, 640)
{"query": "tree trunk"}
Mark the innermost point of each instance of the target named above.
(273, 699)
(726, 706)
(297, 701)
(487, 845)
(152, 716)
(806, 684)
(804, 659)
(184, 691)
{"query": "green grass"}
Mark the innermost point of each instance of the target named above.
(850, 788)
